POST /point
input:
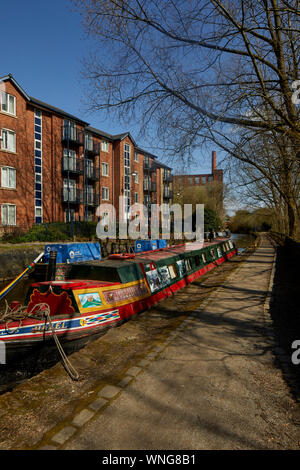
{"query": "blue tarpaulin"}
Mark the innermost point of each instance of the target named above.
(148, 245)
(73, 252)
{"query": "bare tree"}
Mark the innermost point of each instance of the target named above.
(200, 71)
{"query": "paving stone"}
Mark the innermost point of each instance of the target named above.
(125, 381)
(109, 391)
(143, 363)
(96, 405)
(133, 371)
(81, 418)
(64, 434)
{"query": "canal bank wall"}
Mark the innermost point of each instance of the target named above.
(13, 260)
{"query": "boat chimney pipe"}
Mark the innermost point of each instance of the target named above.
(52, 266)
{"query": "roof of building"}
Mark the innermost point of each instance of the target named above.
(63, 113)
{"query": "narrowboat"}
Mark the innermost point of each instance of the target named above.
(85, 298)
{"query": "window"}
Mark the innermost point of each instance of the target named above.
(70, 130)
(69, 215)
(104, 169)
(105, 194)
(69, 190)
(89, 168)
(136, 177)
(210, 179)
(8, 177)
(69, 160)
(8, 103)
(197, 179)
(191, 180)
(89, 142)
(136, 156)
(8, 141)
(104, 146)
(136, 197)
(8, 214)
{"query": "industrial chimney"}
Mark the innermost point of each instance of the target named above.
(214, 161)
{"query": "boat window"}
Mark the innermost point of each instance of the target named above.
(197, 260)
(219, 251)
(204, 258)
(173, 271)
(230, 244)
(212, 254)
(181, 268)
(188, 265)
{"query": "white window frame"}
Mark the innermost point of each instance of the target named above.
(106, 191)
(7, 149)
(136, 178)
(106, 172)
(8, 96)
(15, 215)
(136, 156)
(10, 169)
(104, 146)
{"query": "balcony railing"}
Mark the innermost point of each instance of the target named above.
(150, 186)
(92, 148)
(168, 178)
(92, 199)
(168, 194)
(71, 134)
(93, 173)
(72, 165)
(149, 166)
(72, 196)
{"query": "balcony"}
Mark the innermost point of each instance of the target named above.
(72, 165)
(149, 166)
(72, 196)
(71, 135)
(92, 199)
(93, 173)
(168, 178)
(150, 186)
(167, 194)
(92, 148)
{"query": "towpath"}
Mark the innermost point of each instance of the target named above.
(211, 384)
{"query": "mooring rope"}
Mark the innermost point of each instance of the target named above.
(42, 311)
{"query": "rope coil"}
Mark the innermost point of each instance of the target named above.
(40, 311)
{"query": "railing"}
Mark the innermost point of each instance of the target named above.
(150, 186)
(93, 173)
(73, 165)
(72, 195)
(71, 134)
(92, 147)
(168, 194)
(168, 178)
(92, 199)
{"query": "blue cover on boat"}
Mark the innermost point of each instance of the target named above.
(162, 243)
(148, 245)
(73, 252)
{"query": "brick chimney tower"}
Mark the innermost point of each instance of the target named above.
(214, 161)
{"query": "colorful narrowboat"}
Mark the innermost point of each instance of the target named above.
(90, 296)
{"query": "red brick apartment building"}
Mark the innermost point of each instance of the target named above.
(55, 167)
(216, 176)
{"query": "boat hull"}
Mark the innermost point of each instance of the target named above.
(76, 327)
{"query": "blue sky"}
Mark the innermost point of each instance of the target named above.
(44, 44)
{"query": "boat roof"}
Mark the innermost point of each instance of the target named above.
(75, 284)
